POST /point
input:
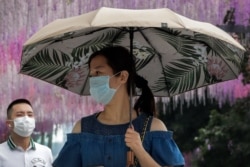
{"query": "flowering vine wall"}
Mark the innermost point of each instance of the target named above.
(19, 20)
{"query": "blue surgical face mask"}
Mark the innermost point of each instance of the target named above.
(100, 90)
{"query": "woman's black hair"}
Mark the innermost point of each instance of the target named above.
(145, 102)
(119, 59)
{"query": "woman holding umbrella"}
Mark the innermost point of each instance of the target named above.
(106, 138)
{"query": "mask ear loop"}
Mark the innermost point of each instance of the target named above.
(115, 74)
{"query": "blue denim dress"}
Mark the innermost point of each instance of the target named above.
(103, 145)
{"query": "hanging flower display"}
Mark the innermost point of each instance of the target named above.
(74, 77)
(216, 68)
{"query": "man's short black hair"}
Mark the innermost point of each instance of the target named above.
(17, 101)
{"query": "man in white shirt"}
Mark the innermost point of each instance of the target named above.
(20, 150)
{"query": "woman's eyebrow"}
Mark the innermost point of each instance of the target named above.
(95, 69)
(98, 67)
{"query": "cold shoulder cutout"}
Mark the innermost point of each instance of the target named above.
(100, 144)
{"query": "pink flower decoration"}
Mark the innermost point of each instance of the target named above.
(216, 68)
(74, 77)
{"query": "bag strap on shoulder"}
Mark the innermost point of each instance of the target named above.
(146, 122)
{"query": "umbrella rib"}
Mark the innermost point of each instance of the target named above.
(157, 53)
(103, 28)
(118, 34)
(93, 31)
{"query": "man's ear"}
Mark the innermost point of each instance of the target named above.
(124, 76)
(8, 124)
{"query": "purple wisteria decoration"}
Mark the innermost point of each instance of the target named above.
(21, 19)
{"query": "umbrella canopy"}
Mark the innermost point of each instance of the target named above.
(174, 53)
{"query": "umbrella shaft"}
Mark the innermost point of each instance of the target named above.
(131, 38)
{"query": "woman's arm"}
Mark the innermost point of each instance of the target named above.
(133, 140)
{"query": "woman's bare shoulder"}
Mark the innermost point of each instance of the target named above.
(77, 127)
(157, 125)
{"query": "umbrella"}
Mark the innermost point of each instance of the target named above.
(174, 53)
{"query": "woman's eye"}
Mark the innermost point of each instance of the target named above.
(96, 73)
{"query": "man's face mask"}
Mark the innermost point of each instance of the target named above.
(24, 126)
(100, 90)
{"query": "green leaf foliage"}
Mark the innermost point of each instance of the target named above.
(224, 141)
(46, 66)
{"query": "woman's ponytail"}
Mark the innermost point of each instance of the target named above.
(145, 102)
